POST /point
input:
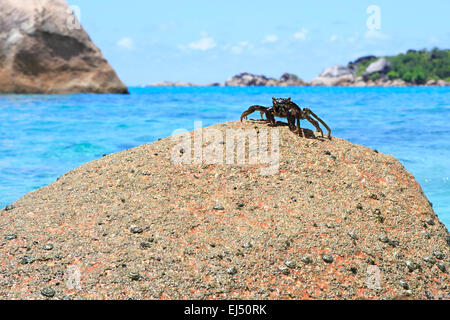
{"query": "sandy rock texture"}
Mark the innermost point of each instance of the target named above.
(336, 221)
(44, 49)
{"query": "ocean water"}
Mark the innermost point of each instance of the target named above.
(44, 136)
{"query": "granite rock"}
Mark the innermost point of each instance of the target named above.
(44, 49)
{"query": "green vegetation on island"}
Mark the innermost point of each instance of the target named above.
(415, 67)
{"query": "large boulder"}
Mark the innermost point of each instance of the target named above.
(247, 79)
(399, 83)
(353, 65)
(289, 79)
(442, 83)
(334, 76)
(335, 220)
(381, 66)
(43, 49)
(172, 84)
(335, 71)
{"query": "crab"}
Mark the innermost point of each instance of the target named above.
(286, 108)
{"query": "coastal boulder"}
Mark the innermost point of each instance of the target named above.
(399, 83)
(315, 219)
(289, 79)
(335, 72)
(334, 76)
(44, 49)
(353, 65)
(172, 84)
(381, 66)
(442, 83)
(247, 79)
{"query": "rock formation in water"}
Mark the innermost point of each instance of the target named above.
(334, 76)
(172, 84)
(380, 66)
(334, 220)
(243, 79)
(44, 49)
(247, 79)
(411, 69)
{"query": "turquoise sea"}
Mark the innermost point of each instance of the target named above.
(44, 136)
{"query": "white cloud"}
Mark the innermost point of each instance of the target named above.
(239, 48)
(433, 40)
(301, 35)
(236, 50)
(126, 43)
(205, 43)
(333, 38)
(270, 38)
(354, 38)
(375, 35)
(245, 44)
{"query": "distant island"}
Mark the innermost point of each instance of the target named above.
(413, 68)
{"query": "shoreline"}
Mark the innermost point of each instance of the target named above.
(322, 86)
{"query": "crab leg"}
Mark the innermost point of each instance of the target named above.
(299, 129)
(295, 116)
(291, 122)
(253, 109)
(308, 112)
(314, 123)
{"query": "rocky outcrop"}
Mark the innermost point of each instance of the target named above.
(381, 66)
(247, 79)
(43, 49)
(381, 82)
(334, 76)
(335, 72)
(172, 84)
(289, 79)
(335, 220)
(390, 70)
(364, 71)
(439, 83)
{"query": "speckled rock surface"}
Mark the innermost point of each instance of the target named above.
(338, 221)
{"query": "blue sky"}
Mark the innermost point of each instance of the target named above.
(210, 41)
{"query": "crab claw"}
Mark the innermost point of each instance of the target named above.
(253, 109)
(245, 114)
